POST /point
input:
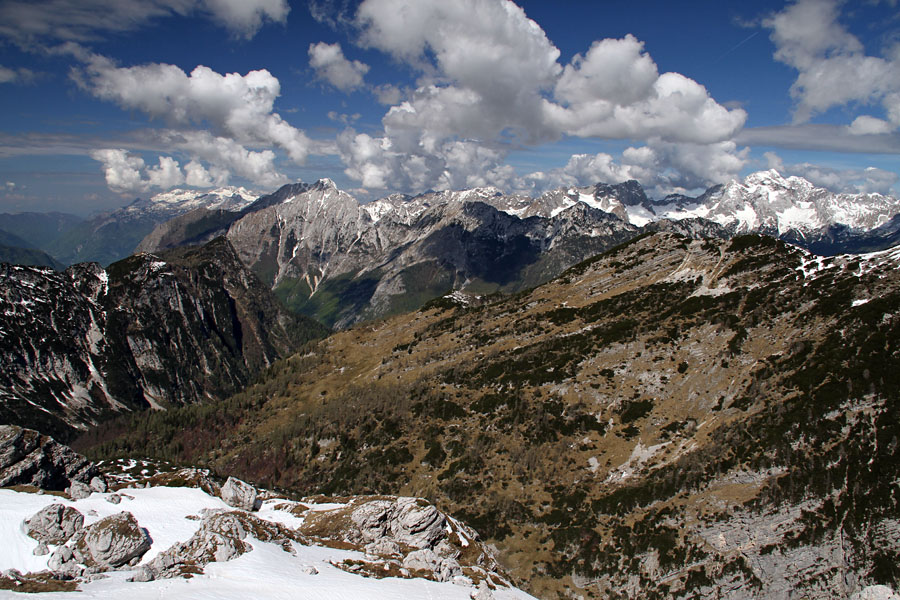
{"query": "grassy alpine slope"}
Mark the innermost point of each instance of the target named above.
(674, 418)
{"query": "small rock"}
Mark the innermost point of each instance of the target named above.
(13, 574)
(383, 547)
(483, 592)
(114, 498)
(54, 524)
(309, 570)
(240, 494)
(78, 490)
(41, 550)
(62, 561)
(98, 485)
(143, 574)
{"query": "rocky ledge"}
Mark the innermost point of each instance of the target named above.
(154, 523)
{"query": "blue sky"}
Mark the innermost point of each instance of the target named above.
(102, 101)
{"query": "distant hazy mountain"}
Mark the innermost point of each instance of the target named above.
(38, 230)
(112, 236)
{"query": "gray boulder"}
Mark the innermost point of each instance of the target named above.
(111, 542)
(220, 538)
(98, 485)
(29, 458)
(78, 490)
(239, 494)
(54, 524)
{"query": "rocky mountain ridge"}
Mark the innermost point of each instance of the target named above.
(674, 418)
(329, 257)
(150, 331)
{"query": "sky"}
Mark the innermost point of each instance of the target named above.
(105, 101)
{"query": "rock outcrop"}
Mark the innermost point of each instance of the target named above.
(29, 458)
(408, 521)
(220, 538)
(443, 568)
(54, 524)
(373, 537)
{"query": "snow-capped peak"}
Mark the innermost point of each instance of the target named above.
(183, 200)
(325, 182)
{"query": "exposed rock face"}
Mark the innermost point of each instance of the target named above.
(219, 538)
(329, 257)
(110, 542)
(239, 494)
(406, 521)
(444, 568)
(54, 524)
(29, 458)
(86, 344)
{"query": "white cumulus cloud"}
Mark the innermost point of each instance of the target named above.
(234, 105)
(661, 167)
(122, 170)
(226, 121)
(227, 156)
(832, 66)
(867, 180)
(331, 65)
(490, 80)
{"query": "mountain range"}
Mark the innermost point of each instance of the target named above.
(329, 257)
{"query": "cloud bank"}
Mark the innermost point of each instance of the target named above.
(490, 81)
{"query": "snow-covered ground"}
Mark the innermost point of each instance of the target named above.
(171, 514)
